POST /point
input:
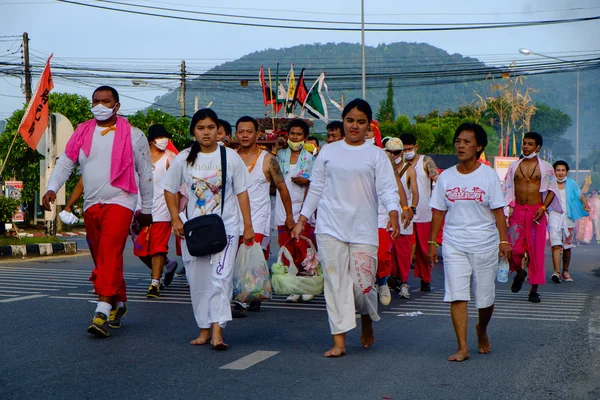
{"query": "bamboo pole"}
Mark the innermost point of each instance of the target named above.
(271, 96)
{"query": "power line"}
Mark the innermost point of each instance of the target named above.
(249, 24)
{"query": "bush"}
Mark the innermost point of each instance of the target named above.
(8, 207)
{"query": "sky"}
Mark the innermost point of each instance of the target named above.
(81, 35)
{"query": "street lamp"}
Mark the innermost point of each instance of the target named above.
(527, 52)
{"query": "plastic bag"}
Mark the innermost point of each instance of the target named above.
(251, 275)
(286, 281)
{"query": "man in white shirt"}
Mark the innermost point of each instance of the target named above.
(296, 166)
(562, 225)
(152, 244)
(111, 155)
(426, 172)
(263, 169)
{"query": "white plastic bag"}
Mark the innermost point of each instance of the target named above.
(251, 276)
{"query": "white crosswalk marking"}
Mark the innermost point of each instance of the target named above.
(74, 285)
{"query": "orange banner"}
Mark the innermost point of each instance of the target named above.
(35, 120)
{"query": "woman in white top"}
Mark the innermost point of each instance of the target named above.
(199, 170)
(469, 198)
(349, 177)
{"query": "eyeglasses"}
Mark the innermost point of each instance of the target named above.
(396, 152)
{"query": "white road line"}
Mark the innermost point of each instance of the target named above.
(249, 360)
(47, 280)
(8, 295)
(32, 288)
(65, 271)
(128, 300)
(497, 305)
(11, 285)
(33, 296)
(19, 291)
(573, 319)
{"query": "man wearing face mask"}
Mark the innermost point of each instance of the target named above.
(426, 173)
(152, 243)
(530, 189)
(402, 246)
(562, 225)
(111, 154)
(296, 165)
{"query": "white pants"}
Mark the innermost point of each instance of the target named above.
(458, 269)
(349, 270)
(211, 283)
(559, 223)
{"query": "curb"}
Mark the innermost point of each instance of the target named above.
(60, 234)
(41, 249)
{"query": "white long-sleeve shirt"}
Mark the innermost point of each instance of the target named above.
(346, 185)
(95, 169)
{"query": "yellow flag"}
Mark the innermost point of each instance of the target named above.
(291, 82)
(514, 145)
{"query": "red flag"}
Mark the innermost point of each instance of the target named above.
(269, 96)
(35, 120)
(171, 147)
(376, 133)
(301, 90)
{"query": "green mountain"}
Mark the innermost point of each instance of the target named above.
(423, 80)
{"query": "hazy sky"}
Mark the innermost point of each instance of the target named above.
(74, 32)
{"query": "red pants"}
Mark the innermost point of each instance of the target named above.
(384, 254)
(401, 251)
(258, 238)
(153, 240)
(107, 227)
(297, 248)
(525, 235)
(422, 230)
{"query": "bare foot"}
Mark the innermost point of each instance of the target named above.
(483, 342)
(217, 338)
(203, 338)
(460, 355)
(367, 336)
(335, 352)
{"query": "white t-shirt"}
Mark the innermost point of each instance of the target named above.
(469, 200)
(346, 185)
(562, 196)
(203, 183)
(160, 211)
(95, 169)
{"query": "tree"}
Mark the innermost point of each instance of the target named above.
(179, 127)
(386, 112)
(24, 162)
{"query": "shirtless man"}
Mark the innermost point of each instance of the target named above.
(426, 172)
(263, 168)
(530, 188)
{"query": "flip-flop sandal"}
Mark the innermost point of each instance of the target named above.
(220, 346)
(518, 283)
(555, 278)
(200, 344)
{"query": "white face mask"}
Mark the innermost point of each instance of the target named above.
(409, 155)
(370, 141)
(563, 180)
(161, 143)
(529, 157)
(398, 160)
(102, 113)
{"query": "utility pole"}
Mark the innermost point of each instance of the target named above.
(183, 88)
(362, 33)
(27, 67)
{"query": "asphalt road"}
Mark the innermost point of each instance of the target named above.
(540, 351)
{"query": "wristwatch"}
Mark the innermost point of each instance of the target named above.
(414, 208)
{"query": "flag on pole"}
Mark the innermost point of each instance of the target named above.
(290, 80)
(269, 96)
(301, 92)
(514, 145)
(315, 102)
(281, 92)
(35, 120)
(335, 103)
